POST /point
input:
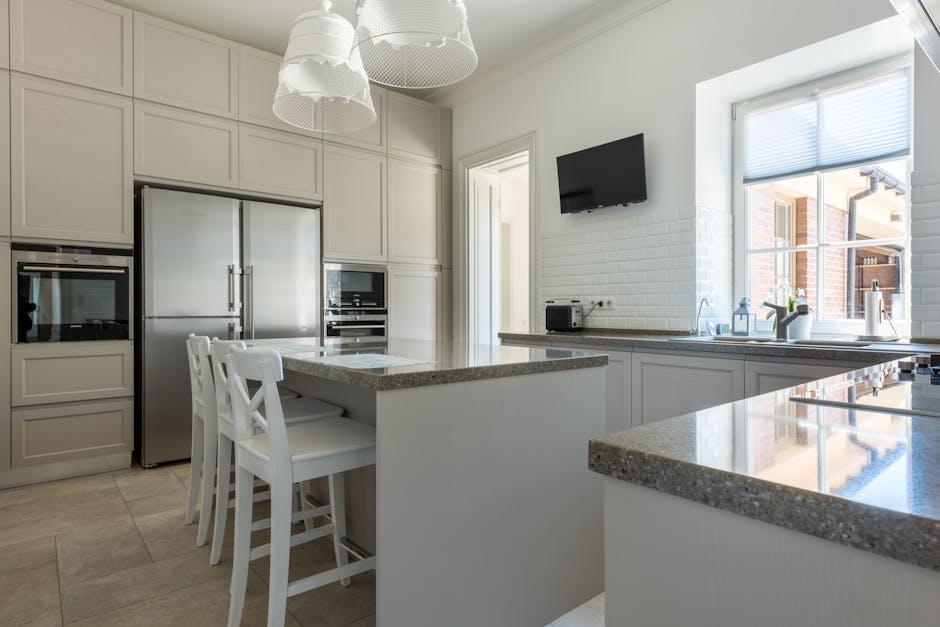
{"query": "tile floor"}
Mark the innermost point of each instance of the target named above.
(112, 550)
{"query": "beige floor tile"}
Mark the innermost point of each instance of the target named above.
(29, 593)
(149, 482)
(182, 472)
(166, 534)
(48, 618)
(92, 552)
(175, 501)
(29, 553)
(204, 604)
(368, 621)
(38, 518)
(132, 586)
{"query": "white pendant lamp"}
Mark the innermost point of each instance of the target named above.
(323, 85)
(415, 43)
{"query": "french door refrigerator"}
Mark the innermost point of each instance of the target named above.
(221, 267)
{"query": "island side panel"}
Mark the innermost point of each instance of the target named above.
(487, 512)
(671, 561)
(359, 404)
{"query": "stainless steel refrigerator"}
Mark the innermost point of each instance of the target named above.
(220, 267)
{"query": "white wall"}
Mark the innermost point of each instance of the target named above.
(639, 76)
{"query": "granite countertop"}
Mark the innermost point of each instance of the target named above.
(866, 477)
(425, 363)
(657, 341)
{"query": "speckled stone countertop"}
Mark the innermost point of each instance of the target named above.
(637, 341)
(866, 477)
(441, 362)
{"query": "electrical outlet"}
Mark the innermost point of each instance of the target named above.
(603, 303)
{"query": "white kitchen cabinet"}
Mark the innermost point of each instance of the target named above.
(6, 324)
(59, 372)
(4, 33)
(71, 162)
(761, 377)
(275, 162)
(355, 216)
(68, 431)
(171, 143)
(414, 129)
(374, 137)
(447, 219)
(4, 153)
(665, 386)
(447, 139)
(257, 84)
(447, 306)
(86, 42)
(414, 303)
(619, 383)
(183, 67)
(414, 213)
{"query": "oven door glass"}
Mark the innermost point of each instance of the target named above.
(64, 303)
(355, 288)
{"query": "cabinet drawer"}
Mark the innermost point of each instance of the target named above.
(71, 162)
(171, 143)
(71, 431)
(97, 36)
(185, 68)
(71, 372)
(274, 162)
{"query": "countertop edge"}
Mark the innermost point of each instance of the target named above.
(406, 380)
(897, 535)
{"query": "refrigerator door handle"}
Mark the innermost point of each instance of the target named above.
(231, 287)
(231, 331)
(250, 302)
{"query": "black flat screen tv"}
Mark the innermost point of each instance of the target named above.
(603, 176)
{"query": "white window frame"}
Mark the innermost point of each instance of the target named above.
(742, 250)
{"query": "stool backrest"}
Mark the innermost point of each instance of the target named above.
(261, 365)
(221, 351)
(200, 373)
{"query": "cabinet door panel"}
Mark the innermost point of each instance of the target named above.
(70, 371)
(761, 377)
(275, 162)
(4, 33)
(87, 42)
(414, 303)
(257, 83)
(354, 210)
(4, 153)
(184, 146)
(374, 137)
(447, 139)
(67, 431)
(71, 162)
(414, 129)
(5, 330)
(619, 384)
(666, 386)
(414, 222)
(183, 67)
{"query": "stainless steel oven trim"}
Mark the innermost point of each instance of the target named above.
(342, 316)
(71, 262)
(353, 318)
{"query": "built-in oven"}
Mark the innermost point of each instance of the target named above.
(68, 294)
(354, 298)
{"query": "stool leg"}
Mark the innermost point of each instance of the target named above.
(304, 505)
(281, 498)
(210, 450)
(223, 463)
(195, 469)
(338, 506)
(244, 486)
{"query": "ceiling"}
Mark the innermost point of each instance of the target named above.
(500, 28)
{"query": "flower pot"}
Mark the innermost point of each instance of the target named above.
(802, 327)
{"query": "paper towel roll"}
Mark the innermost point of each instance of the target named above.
(873, 316)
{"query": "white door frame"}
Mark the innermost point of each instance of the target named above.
(462, 296)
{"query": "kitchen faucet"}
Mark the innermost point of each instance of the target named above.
(784, 320)
(695, 331)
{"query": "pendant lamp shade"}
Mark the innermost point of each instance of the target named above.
(322, 83)
(415, 43)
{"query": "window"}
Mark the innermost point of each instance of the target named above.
(822, 184)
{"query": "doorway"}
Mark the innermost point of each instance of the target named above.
(498, 245)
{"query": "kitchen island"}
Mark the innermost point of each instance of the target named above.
(813, 505)
(481, 509)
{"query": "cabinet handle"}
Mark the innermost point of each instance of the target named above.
(73, 269)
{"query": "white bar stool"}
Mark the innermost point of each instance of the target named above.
(280, 456)
(295, 410)
(197, 447)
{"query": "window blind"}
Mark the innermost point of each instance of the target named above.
(861, 123)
